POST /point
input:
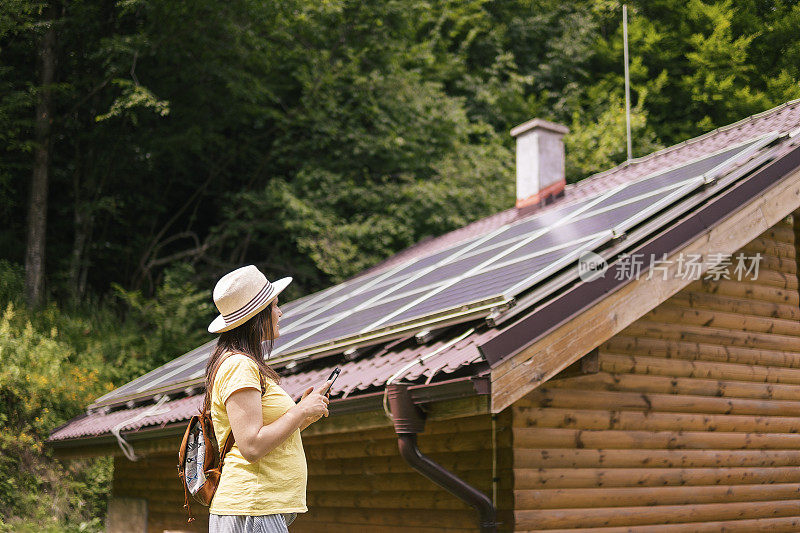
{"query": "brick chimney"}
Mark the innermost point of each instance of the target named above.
(540, 162)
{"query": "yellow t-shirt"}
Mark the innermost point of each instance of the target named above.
(276, 483)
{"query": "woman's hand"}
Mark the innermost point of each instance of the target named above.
(317, 404)
(313, 404)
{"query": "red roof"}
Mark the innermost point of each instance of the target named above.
(356, 376)
(100, 423)
(371, 372)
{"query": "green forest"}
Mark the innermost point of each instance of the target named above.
(150, 146)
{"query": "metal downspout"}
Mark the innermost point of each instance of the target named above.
(408, 421)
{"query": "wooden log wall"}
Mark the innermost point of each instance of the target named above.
(691, 422)
(357, 480)
(155, 479)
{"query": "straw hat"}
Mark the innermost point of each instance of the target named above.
(241, 294)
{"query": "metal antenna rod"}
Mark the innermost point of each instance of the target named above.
(627, 80)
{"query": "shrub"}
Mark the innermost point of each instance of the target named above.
(55, 362)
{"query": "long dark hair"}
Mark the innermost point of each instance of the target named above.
(246, 339)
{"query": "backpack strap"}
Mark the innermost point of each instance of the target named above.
(226, 447)
(207, 400)
(186, 504)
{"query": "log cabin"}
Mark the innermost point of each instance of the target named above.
(563, 386)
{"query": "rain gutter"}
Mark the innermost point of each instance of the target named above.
(409, 420)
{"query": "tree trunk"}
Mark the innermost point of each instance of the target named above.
(83, 221)
(37, 203)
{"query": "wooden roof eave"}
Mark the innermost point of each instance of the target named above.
(555, 335)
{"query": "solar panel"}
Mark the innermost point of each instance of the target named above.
(613, 211)
(492, 281)
(678, 175)
(163, 376)
(469, 277)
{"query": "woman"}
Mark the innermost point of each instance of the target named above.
(263, 482)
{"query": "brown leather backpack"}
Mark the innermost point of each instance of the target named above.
(199, 458)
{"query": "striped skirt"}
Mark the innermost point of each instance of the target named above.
(269, 523)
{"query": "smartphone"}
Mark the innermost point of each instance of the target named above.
(333, 376)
